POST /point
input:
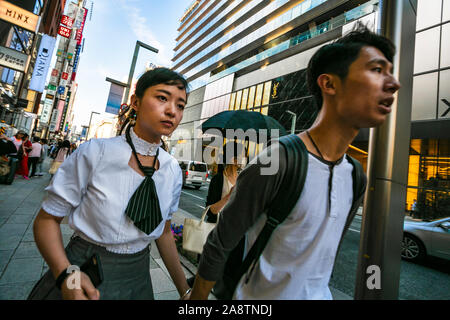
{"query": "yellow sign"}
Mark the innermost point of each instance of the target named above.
(18, 16)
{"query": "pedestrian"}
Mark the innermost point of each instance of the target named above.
(17, 140)
(60, 154)
(23, 153)
(34, 155)
(43, 157)
(351, 80)
(119, 194)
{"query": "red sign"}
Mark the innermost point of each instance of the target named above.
(55, 72)
(74, 74)
(79, 34)
(64, 31)
(67, 21)
(65, 75)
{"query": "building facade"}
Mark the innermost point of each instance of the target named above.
(252, 55)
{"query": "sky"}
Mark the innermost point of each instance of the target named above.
(110, 39)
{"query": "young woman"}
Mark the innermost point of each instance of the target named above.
(119, 195)
(62, 153)
(24, 149)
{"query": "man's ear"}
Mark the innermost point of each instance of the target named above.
(327, 84)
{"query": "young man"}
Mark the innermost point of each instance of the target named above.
(352, 83)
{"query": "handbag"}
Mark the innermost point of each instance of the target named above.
(195, 233)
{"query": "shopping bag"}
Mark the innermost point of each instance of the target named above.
(195, 233)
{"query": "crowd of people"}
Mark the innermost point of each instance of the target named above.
(32, 154)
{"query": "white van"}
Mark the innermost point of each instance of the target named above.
(194, 173)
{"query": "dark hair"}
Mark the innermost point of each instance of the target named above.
(44, 141)
(149, 79)
(36, 139)
(25, 135)
(235, 150)
(336, 58)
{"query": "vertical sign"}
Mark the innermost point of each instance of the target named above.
(114, 99)
(42, 64)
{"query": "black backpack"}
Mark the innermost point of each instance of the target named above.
(284, 202)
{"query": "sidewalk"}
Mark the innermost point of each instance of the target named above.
(21, 264)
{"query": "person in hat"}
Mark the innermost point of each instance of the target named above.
(119, 195)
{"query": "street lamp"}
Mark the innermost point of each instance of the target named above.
(133, 66)
(89, 128)
(294, 120)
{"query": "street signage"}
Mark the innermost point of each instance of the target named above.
(65, 75)
(61, 90)
(18, 16)
(64, 31)
(42, 64)
(55, 73)
(45, 115)
(67, 21)
(13, 59)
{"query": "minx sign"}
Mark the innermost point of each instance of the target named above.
(18, 16)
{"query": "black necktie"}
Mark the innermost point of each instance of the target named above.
(143, 208)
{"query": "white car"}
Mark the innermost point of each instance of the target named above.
(421, 238)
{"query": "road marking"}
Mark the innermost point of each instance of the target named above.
(192, 195)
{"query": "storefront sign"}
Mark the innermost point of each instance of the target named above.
(64, 31)
(79, 35)
(51, 89)
(114, 99)
(42, 64)
(65, 75)
(18, 16)
(45, 115)
(67, 21)
(13, 59)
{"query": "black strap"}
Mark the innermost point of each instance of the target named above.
(284, 202)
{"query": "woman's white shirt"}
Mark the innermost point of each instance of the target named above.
(93, 187)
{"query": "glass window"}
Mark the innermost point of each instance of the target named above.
(427, 50)
(445, 45)
(244, 99)
(266, 95)
(233, 98)
(424, 97)
(444, 94)
(237, 105)
(251, 97)
(428, 13)
(259, 92)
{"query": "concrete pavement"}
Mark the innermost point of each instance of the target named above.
(21, 264)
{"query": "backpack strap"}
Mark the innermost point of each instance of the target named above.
(285, 200)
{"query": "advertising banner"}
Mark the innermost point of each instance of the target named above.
(52, 126)
(114, 99)
(42, 64)
(18, 16)
(64, 31)
(61, 90)
(51, 89)
(79, 35)
(13, 59)
(61, 104)
(45, 115)
(72, 10)
(67, 21)
(71, 49)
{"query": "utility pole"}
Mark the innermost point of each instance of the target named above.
(133, 66)
(378, 271)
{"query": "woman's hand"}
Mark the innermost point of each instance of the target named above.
(87, 291)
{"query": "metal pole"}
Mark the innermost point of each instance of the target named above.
(89, 128)
(133, 66)
(294, 121)
(378, 270)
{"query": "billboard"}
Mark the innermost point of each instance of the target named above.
(114, 98)
(42, 64)
(18, 16)
(13, 59)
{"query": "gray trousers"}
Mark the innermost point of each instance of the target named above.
(126, 276)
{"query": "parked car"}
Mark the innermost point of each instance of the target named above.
(422, 238)
(194, 173)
